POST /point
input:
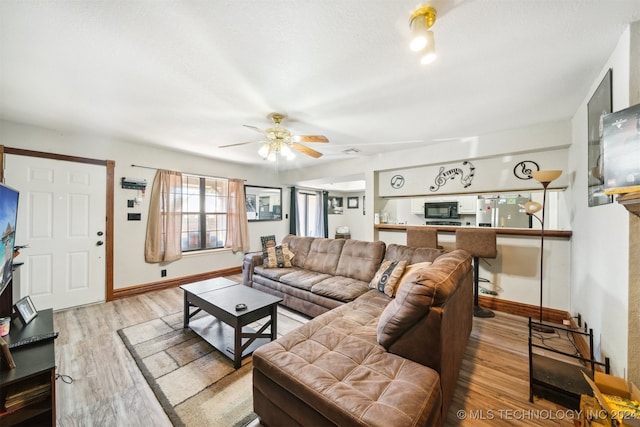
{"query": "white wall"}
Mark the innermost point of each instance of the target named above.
(130, 269)
(352, 218)
(541, 137)
(599, 266)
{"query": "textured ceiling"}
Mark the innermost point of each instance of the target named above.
(188, 74)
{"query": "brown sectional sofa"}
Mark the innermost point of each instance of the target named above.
(366, 359)
(325, 273)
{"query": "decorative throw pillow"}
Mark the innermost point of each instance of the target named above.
(278, 256)
(267, 242)
(387, 276)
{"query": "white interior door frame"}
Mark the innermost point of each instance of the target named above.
(109, 205)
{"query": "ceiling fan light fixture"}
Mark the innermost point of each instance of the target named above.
(264, 150)
(285, 150)
(429, 53)
(419, 32)
(422, 39)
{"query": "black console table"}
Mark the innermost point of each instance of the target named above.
(34, 371)
(560, 378)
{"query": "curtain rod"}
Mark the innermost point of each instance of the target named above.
(188, 173)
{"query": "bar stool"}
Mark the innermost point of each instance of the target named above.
(422, 237)
(479, 243)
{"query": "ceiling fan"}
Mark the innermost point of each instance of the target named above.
(279, 140)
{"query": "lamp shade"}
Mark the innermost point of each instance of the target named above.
(532, 207)
(546, 176)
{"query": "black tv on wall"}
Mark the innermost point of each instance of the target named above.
(8, 217)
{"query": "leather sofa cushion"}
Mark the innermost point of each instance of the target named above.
(299, 246)
(335, 365)
(303, 279)
(360, 260)
(324, 255)
(271, 273)
(340, 288)
(411, 255)
(420, 290)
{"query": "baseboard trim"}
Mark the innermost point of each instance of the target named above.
(172, 283)
(582, 345)
(521, 309)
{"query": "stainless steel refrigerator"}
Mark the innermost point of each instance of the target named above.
(502, 211)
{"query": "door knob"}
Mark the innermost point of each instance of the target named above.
(100, 243)
(100, 233)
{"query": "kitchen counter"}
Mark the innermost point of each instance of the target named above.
(499, 230)
(515, 272)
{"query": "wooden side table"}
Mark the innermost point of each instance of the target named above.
(35, 368)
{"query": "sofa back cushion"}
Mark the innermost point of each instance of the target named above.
(419, 291)
(299, 247)
(360, 260)
(324, 255)
(410, 254)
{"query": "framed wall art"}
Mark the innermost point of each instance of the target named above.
(335, 205)
(599, 106)
(352, 203)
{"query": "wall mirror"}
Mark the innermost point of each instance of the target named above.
(263, 203)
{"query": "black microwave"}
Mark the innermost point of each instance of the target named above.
(441, 210)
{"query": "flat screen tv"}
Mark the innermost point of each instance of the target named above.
(621, 151)
(8, 217)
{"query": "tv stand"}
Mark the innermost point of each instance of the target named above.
(34, 373)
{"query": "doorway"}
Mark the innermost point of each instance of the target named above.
(63, 218)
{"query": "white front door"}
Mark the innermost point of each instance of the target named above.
(62, 217)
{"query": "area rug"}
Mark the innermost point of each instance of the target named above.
(195, 384)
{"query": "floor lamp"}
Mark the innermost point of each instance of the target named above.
(545, 178)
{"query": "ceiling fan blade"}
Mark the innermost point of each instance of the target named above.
(306, 150)
(253, 128)
(309, 138)
(239, 143)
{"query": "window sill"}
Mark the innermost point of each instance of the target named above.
(205, 252)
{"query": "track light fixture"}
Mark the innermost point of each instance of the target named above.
(422, 39)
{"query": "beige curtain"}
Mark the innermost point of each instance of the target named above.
(164, 227)
(237, 224)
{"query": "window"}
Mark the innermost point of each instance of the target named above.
(204, 212)
(308, 214)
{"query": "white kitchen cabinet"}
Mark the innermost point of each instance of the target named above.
(467, 204)
(417, 205)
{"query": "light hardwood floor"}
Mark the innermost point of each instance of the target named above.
(109, 390)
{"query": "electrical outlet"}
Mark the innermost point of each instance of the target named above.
(163, 273)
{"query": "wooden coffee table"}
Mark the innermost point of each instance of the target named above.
(226, 328)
